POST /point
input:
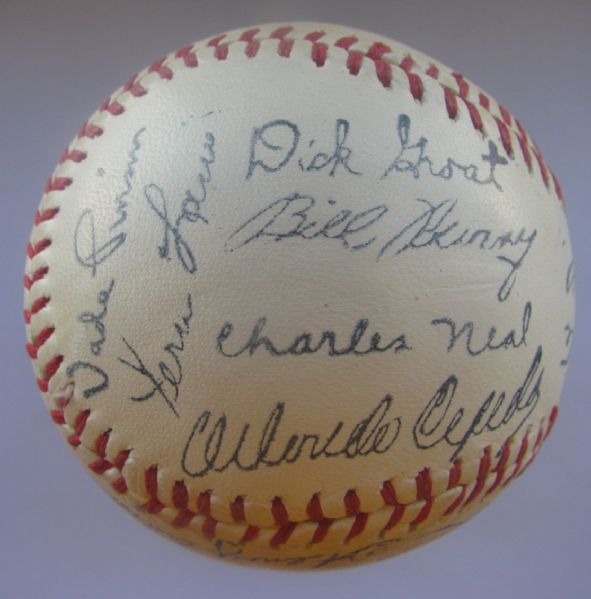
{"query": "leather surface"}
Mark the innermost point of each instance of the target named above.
(271, 198)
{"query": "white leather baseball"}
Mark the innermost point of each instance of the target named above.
(301, 296)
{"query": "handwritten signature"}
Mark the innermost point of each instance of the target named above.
(306, 343)
(436, 226)
(100, 377)
(97, 320)
(167, 384)
(190, 209)
(295, 216)
(230, 549)
(438, 423)
(90, 250)
(568, 329)
(273, 145)
(512, 340)
(414, 158)
(209, 448)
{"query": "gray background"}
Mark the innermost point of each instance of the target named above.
(60, 536)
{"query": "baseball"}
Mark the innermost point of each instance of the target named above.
(301, 296)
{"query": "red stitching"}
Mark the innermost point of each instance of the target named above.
(535, 449)
(285, 47)
(505, 137)
(160, 68)
(252, 48)
(483, 470)
(314, 36)
(180, 500)
(40, 339)
(553, 417)
(58, 416)
(36, 307)
(134, 88)
(250, 533)
(237, 509)
(249, 34)
(484, 101)
(53, 184)
(457, 503)
(463, 88)
(120, 484)
(321, 531)
(557, 187)
(451, 104)
(286, 527)
(433, 72)
(346, 42)
(424, 486)
(115, 108)
(50, 369)
(377, 50)
(189, 57)
(519, 460)
(89, 130)
(474, 115)
(407, 63)
(215, 41)
(39, 274)
(79, 425)
(505, 115)
(282, 535)
(279, 512)
(388, 493)
(44, 215)
(423, 514)
(281, 32)
(221, 51)
(455, 474)
(525, 150)
(454, 477)
(416, 86)
(319, 53)
(354, 62)
(501, 465)
(204, 503)
(180, 496)
(542, 165)
(352, 503)
(315, 513)
(395, 518)
(358, 525)
(101, 465)
(314, 509)
(73, 155)
(208, 527)
(56, 184)
(383, 72)
(415, 83)
(36, 249)
(153, 505)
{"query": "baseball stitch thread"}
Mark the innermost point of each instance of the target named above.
(318, 54)
(488, 480)
(378, 53)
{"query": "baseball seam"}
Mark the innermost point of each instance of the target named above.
(477, 105)
(402, 514)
